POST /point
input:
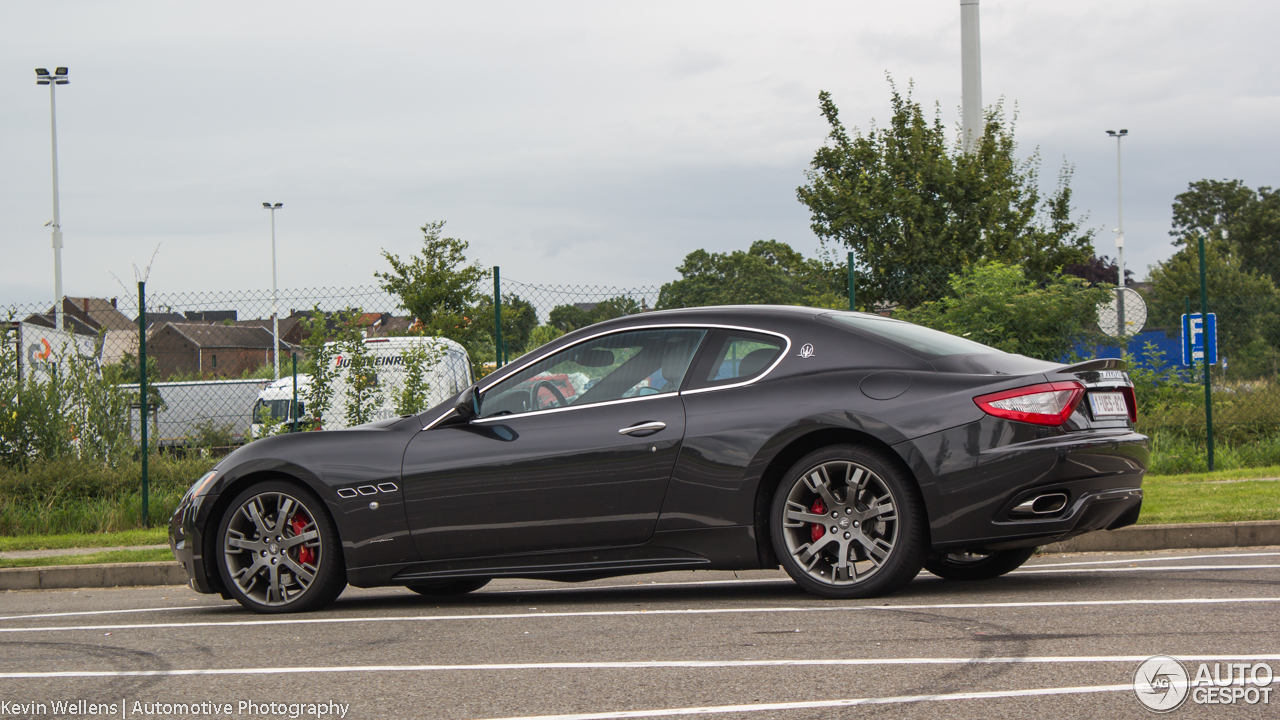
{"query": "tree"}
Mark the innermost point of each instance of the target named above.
(566, 318)
(439, 288)
(769, 273)
(1097, 270)
(997, 305)
(1245, 301)
(916, 208)
(519, 318)
(1228, 210)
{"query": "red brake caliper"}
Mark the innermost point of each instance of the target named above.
(306, 556)
(817, 530)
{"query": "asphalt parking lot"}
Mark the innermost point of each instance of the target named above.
(1061, 637)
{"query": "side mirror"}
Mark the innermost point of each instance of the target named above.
(468, 405)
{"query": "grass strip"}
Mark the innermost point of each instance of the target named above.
(126, 538)
(115, 556)
(1166, 502)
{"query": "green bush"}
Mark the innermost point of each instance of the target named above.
(71, 495)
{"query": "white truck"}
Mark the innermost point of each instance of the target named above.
(40, 351)
(448, 375)
(194, 412)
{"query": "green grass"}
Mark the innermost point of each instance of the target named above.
(1212, 497)
(127, 538)
(115, 556)
(73, 496)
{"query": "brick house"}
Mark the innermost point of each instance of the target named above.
(210, 351)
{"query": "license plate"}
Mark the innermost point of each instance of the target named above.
(1108, 405)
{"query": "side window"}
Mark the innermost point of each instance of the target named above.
(613, 367)
(735, 356)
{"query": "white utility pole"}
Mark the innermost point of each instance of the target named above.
(1120, 285)
(971, 75)
(275, 303)
(59, 77)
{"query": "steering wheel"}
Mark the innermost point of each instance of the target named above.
(559, 397)
(646, 390)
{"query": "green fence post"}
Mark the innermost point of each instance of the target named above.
(851, 281)
(497, 320)
(294, 410)
(142, 395)
(1208, 391)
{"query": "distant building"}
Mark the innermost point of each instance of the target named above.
(210, 350)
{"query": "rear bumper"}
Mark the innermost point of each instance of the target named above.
(973, 478)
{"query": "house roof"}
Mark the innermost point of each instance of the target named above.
(221, 336)
(100, 311)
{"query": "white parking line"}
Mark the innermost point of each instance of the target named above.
(1149, 568)
(643, 613)
(634, 665)
(764, 707)
(1152, 559)
(108, 612)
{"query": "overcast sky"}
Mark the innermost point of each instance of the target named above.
(568, 142)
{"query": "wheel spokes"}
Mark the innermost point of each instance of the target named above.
(261, 566)
(865, 516)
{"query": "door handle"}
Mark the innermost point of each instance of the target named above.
(646, 428)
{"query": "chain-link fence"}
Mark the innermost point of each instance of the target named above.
(1065, 319)
(221, 371)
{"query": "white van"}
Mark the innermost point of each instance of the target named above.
(449, 375)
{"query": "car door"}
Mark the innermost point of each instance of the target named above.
(572, 451)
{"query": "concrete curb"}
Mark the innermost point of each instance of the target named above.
(1136, 538)
(92, 576)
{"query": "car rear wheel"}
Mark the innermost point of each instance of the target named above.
(846, 522)
(977, 565)
(278, 550)
(449, 587)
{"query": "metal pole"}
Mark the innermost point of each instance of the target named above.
(275, 304)
(1208, 391)
(851, 282)
(59, 318)
(142, 394)
(294, 409)
(1120, 284)
(497, 320)
(971, 75)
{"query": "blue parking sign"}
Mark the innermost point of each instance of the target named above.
(1199, 338)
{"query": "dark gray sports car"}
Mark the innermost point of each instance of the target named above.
(851, 449)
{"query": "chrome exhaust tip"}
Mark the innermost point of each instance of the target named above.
(1042, 504)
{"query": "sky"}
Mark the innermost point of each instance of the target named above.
(570, 143)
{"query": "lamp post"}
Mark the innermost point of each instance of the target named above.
(1120, 284)
(59, 77)
(275, 303)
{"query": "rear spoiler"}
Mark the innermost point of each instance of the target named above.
(1095, 366)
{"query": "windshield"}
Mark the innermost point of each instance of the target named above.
(916, 337)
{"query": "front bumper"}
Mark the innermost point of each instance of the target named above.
(187, 542)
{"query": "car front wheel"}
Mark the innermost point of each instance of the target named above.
(846, 522)
(278, 550)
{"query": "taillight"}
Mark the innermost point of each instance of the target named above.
(1132, 401)
(1043, 404)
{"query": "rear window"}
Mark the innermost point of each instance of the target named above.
(915, 337)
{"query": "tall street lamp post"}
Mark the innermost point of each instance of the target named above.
(59, 77)
(1119, 233)
(275, 303)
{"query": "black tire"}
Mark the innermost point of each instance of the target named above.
(977, 566)
(449, 587)
(880, 533)
(261, 563)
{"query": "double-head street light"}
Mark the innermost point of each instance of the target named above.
(59, 77)
(1119, 231)
(275, 304)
